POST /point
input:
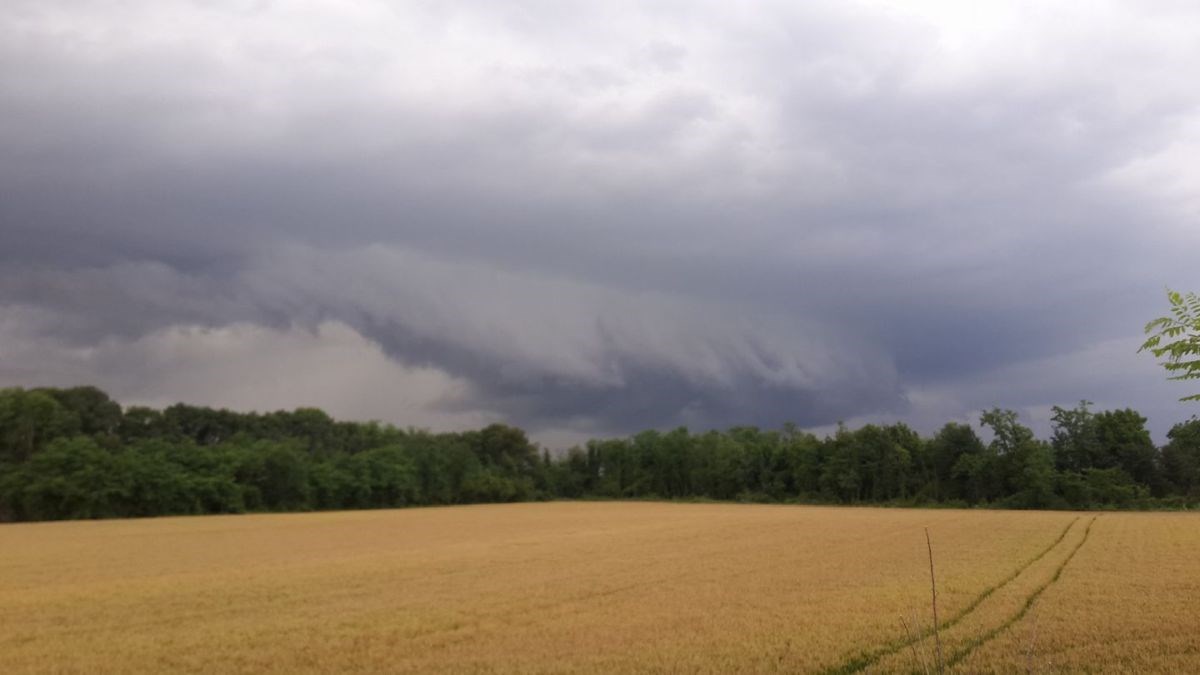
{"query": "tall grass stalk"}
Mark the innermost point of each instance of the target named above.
(937, 636)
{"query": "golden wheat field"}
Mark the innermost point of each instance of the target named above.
(603, 587)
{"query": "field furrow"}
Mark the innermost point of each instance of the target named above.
(1129, 602)
(915, 632)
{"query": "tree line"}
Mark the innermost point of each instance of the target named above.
(76, 453)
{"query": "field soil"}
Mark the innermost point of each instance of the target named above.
(604, 587)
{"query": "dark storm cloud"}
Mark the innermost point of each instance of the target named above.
(608, 218)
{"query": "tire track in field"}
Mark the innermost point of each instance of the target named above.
(986, 637)
(864, 660)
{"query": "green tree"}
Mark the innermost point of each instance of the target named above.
(157, 484)
(958, 461)
(1177, 338)
(1026, 464)
(29, 419)
(95, 413)
(71, 478)
(139, 422)
(842, 477)
(392, 478)
(1126, 445)
(1112, 486)
(884, 462)
(1037, 477)
(1076, 438)
(756, 450)
(719, 459)
(802, 451)
(314, 427)
(975, 474)
(1181, 458)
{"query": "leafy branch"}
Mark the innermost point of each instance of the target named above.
(1176, 338)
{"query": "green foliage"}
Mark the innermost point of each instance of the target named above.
(1113, 439)
(93, 412)
(388, 477)
(28, 421)
(1177, 338)
(1125, 444)
(842, 477)
(1034, 486)
(958, 464)
(1023, 465)
(1076, 438)
(275, 476)
(73, 453)
(1181, 459)
(70, 478)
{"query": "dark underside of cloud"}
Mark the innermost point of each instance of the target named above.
(603, 220)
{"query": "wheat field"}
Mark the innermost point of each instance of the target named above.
(604, 587)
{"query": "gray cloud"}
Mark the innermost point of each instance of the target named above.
(610, 217)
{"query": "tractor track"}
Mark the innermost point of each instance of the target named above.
(986, 637)
(864, 660)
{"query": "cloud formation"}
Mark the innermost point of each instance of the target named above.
(598, 218)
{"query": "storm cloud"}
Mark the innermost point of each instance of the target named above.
(595, 218)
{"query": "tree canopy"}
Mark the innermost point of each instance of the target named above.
(75, 453)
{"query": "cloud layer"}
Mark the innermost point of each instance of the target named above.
(597, 218)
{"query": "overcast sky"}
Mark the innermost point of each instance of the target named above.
(591, 218)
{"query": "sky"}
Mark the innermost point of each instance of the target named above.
(589, 219)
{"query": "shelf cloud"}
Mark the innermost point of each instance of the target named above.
(592, 218)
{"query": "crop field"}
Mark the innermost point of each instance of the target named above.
(604, 587)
